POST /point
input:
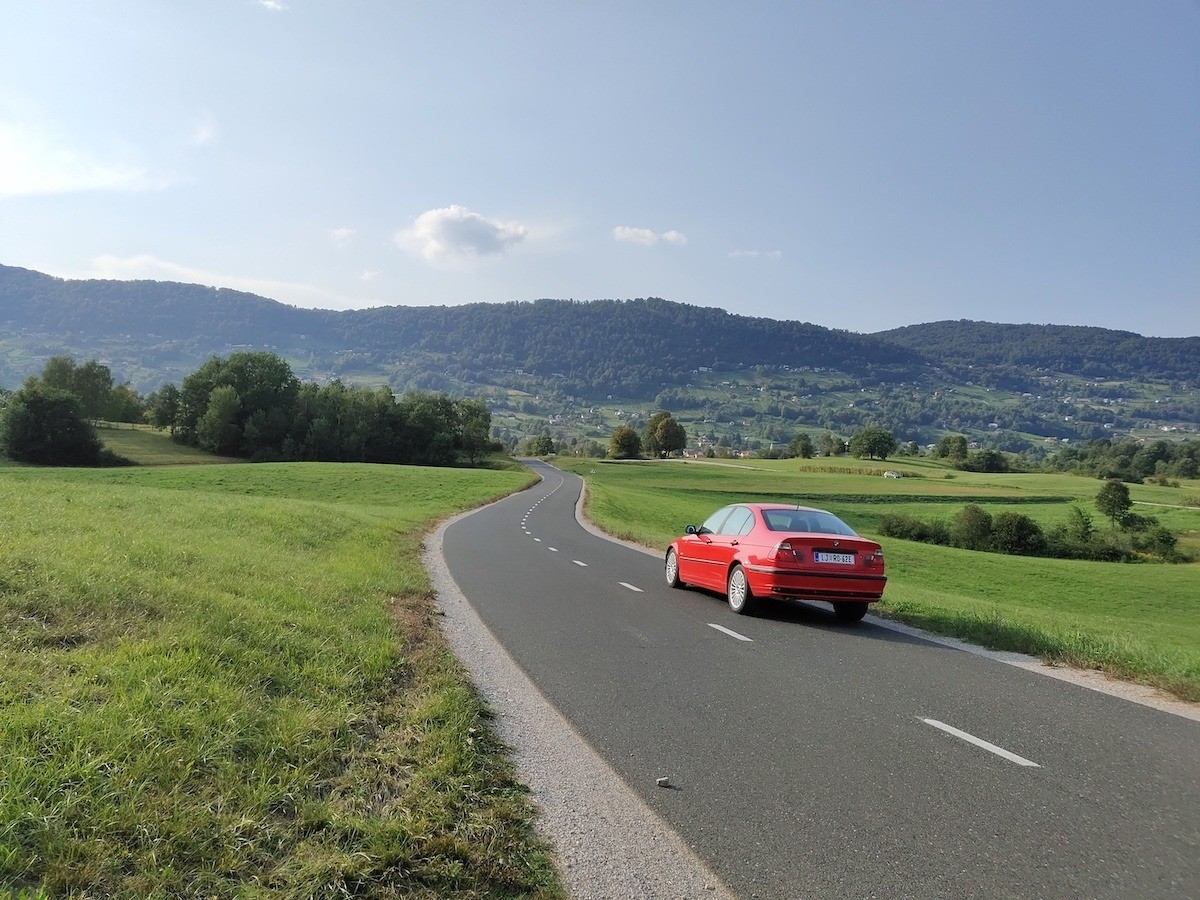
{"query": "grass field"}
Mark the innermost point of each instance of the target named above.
(224, 681)
(1137, 621)
(147, 446)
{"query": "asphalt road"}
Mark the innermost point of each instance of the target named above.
(813, 759)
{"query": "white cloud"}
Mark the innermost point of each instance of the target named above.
(646, 237)
(341, 236)
(31, 164)
(627, 235)
(368, 275)
(456, 234)
(273, 5)
(150, 267)
(755, 254)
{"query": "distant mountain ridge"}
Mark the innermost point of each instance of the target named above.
(161, 330)
(631, 346)
(1078, 349)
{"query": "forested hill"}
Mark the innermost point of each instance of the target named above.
(629, 347)
(146, 310)
(151, 332)
(1079, 350)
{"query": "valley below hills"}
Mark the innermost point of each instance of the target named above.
(576, 370)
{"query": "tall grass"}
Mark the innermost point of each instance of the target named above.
(1140, 622)
(223, 681)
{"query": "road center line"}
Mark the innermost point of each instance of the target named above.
(552, 549)
(626, 584)
(578, 563)
(539, 540)
(979, 742)
(730, 632)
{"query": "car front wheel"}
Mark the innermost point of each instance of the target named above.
(850, 612)
(737, 590)
(671, 568)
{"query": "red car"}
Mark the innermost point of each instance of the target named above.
(752, 551)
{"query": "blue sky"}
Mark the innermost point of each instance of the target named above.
(858, 165)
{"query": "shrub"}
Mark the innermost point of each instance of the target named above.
(47, 426)
(972, 528)
(1017, 533)
(909, 528)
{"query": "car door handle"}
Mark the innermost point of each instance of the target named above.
(733, 543)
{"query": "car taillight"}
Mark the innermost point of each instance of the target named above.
(785, 552)
(874, 559)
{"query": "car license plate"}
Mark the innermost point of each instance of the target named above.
(845, 559)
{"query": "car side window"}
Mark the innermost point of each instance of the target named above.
(740, 521)
(712, 525)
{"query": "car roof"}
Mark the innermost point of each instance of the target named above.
(761, 506)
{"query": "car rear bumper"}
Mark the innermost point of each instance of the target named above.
(767, 581)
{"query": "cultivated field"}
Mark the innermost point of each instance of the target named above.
(221, 681)
(1138, 621)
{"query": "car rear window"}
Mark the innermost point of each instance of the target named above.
(806, 520)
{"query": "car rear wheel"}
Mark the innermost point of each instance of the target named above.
(849, 612)
(671, 568)
(737, 590)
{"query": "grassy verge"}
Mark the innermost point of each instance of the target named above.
(224, 681)
(1140, 622)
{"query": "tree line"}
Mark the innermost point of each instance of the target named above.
(1130, 537)
(248, 405)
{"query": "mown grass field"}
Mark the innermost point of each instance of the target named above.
(1136, 621)
(225, 681)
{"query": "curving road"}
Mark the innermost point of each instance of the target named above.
(811, 759)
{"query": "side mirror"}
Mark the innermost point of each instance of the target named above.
(691, 529)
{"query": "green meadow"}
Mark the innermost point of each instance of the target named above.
(144, 445)
(225, 681)
(1135, 621)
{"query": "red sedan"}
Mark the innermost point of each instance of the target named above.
(752, 551)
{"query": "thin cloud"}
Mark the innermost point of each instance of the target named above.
(32, 164)
(341, 236)
(647, 237)
(272, 5)
(756, 254)
(150, 267)
(368, 275)
(456, 234)
(204, 131)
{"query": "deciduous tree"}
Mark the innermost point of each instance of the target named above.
(624, 443)
(46, 425)
(873, 442)
(1113, 500)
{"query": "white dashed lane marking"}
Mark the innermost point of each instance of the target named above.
(552, 549)
(980, 742)
(539, 540)
(626, 584)
(578, 563)
(730, 632)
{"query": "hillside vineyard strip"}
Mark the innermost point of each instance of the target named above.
(1136, 621)
(223, 681)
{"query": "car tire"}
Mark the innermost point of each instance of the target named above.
(850, 613)
(737, 592)
(671, 569)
